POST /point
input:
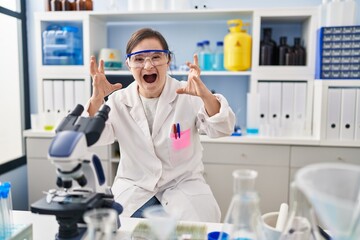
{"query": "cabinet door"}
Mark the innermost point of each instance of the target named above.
(302, 156)
(41, 177)
(271, 184)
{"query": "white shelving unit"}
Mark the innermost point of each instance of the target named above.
(112, 29)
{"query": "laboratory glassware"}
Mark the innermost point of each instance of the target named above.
(101, 224)
(333, 189)
(218, 59)
(206, 57)
(267, 48)
(162, 223)
(243, 218)
(284, 48)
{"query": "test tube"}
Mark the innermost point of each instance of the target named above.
(8, 198)
(2, 229)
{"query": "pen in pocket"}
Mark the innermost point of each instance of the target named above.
(178, 129)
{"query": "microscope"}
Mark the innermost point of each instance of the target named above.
(74, 163)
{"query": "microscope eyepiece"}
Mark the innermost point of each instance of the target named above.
(77, 110)
(103, 112)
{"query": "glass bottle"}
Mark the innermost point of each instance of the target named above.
(218, 60)
(206, 57)
(243, 219)
(56, 5)
(301, 223)
(101, 224)
(267, 48)
(84, 5)
(283, 49)
(299, 52)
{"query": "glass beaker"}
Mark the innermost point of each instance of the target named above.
(243, 219)
(101, 224)
(162, 223)
(301, 223)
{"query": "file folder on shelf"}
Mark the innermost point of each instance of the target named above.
(300, 103)
(333, 114)
(79, 92)
(69, 96)
(287, 108)
(58, 96)
(357, 113)
(348, 101)
(48, 93)
(274, 107)
(263, 90)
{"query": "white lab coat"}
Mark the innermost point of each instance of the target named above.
(157, 164)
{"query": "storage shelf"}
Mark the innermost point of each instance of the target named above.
(203, 73)
(186, 15)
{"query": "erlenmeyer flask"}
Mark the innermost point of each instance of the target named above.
(243, 219)
(301, 223)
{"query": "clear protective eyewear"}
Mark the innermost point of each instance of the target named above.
(156, 57)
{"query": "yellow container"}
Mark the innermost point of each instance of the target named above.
(237, 47)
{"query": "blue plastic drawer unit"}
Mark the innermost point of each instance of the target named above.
(338, 53)
(62, 45)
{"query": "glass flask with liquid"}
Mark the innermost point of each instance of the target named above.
(243, 219)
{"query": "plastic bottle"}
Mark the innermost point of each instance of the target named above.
(237, 47)
(283, 49)
(206, 57)
(299, 52)
(243, 219)
(267, 49)
(218, 59)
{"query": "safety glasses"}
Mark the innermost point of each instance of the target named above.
(156, 58)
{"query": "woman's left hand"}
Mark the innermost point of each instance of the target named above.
(194, 85)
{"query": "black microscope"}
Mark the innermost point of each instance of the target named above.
(69, 153)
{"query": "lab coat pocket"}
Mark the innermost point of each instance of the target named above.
(180, 147)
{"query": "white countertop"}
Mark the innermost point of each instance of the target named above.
(300, 141)
(45, 226)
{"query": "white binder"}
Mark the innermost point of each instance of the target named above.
(58, 96)
(357, 112)
(300, 101)
(69, 95)
(48, 93)
(287, 107)
(263, 90)
(79, 92)
(274, 107)
(348, 104)
(333, 114)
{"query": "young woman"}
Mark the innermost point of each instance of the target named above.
(156, 121)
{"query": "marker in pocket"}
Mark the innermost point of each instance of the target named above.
(175, 130)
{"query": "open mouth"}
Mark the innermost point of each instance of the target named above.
(150, 78)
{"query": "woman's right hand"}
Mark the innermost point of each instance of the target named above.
(101, 86)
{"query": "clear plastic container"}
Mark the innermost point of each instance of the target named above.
(218, 60)
(333, 189)
(62, 46)
(206, 57)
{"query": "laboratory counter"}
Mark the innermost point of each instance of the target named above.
(45, 226)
